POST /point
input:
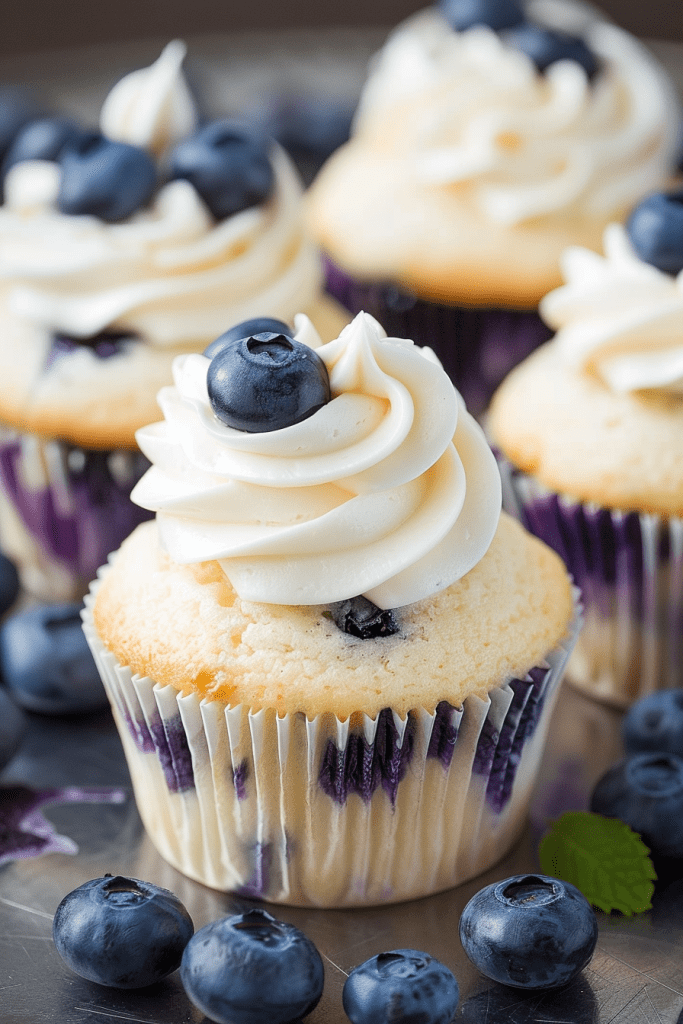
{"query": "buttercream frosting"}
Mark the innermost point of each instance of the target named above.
(151, 107)
(466, 110)
(390, 490)
(619, 317)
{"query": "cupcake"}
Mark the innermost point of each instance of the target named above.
(488, 138)
(119, 250)
(332, 659)
(589, 429)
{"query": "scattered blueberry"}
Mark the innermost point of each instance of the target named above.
(121, 932)
(248, 328)
(646, 792)
(252, 969)
(42, 139)
(403, 986)
(310, 128)
(46, 662)
(545, 46)
(655, 723)
(363, 619)
(104, 345)
(266, 382)
(110, 180)
(17, 108)
(497, 14)
(9, 583)
(12, 727)
(655, 229)
(228, 165)
(529, 931)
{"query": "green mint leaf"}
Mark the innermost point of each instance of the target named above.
(603, 858)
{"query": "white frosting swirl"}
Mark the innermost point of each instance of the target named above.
(467, 110)
(390, 490)
(169, 273)
(619, 317)
(152, 107)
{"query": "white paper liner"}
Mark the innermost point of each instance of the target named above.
(256, 819)
(629, 567)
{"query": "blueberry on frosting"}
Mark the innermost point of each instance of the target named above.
(42, 139)
(655, 230)
(496, 14)
(545, 46)
(229, 167)
(107, 179)
(246, 329)
(266, 382)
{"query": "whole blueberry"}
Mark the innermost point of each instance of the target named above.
(545, 46)
(497, 14)
(529, 931)
(107, 179)
(646, 792)
(401, 987)
(655, 228)
(42, 139)
(266, 382)
(12, 728)
(655, 723)
(46, 662)
(246, 329)
(17, 108)
(9, 583)
(121, 932)
(228, 165)
(252, 969)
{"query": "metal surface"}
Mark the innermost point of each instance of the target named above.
(636, 976)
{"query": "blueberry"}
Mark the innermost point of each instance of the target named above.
(545, 46)
(403, 986)
(121, 932)
(248, 328)
(42, 139)
(252, 969)
(529, 931)
(12, 728)
(16, 109)
(655, 723)
(107, 179)
(228, 165)
(361, 618)
(497, 14)
(9, 583)
(646, 791)
(46, 662)
(266, 382)
(655, 229)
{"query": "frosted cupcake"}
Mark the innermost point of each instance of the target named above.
(489, 137)
(590, 427)
(108, 270)
(331, 659)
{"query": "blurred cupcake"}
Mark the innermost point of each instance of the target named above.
(331, 659)
(590, 429)
(489, 137)
(118, 251)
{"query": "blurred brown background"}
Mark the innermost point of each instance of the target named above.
(32, 25)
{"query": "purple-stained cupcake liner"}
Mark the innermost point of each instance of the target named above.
(629, 567)
(477, 346)
(63, 509)
(329, 812)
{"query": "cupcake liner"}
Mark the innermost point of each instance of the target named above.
(477, 346)
(329, 812)
(629, 567)
(63, 509)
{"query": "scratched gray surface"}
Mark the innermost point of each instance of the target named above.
(636, 976)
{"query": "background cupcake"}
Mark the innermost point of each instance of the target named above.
(488, 138)
(590, 430)
(113, 259)
(331, 660)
